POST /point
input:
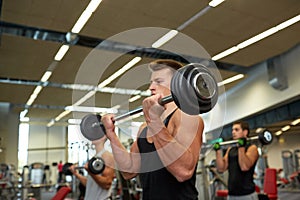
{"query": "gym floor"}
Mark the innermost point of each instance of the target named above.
(289, 195)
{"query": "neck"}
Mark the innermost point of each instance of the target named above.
(170, 107)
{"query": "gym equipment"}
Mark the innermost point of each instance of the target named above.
(193, 89)
(265, 138)
(96, 165)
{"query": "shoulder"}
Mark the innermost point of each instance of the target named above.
(252, 147)
(179, 117)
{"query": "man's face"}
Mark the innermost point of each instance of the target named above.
(238, 132)
(160, 82)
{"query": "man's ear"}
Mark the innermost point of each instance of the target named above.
(245, 133)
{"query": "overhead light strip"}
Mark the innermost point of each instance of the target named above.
(126, 67)
(118, 73)
(295, 122)
(90, 109)
(278, 133)
(164, 39)
(46, 76)
(134, 98)
(215, 3)
(86, 14)
(61, 52)
(285, 128)
(231, 79)
(257, 37)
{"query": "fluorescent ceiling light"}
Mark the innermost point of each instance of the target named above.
(74, 121)
(164, 39)
(287, 127)
(257, 38)
(84, 98)
(120, 91)
(231, 79)
(84, 17)
(278, 133)
(295, 122)
(134, 98)
(120, 72)
(288, 22)
(30, 100)
(37, 90)
(61, 52)
(93, 5)
(86, 14)
(61, 115)
(46, 76)
(146, 93)
(90, 109)
(225, 53)
(24, 119)
(23, 113)
(215, 3)
(258, 130)
(51, 123)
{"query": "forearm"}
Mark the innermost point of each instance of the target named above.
(81, 178)
(220, 162)
(244, 161)
(124, 160)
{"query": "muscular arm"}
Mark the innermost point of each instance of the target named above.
(128, 162)
(222, 162)
(247, 159)
(81, 178)
(178, 146)
(105, 179)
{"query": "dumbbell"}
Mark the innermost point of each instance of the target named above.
(193, 89)
(96, 165)
(265, 137)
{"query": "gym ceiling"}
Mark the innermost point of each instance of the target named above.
(32, 31)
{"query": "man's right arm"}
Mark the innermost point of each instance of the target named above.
(221, 162)
(81, 178)
(128, 163)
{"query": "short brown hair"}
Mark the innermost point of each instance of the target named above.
(244, 126)
(164, 63)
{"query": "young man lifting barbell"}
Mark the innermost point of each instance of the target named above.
(166, 152)
(240, 162)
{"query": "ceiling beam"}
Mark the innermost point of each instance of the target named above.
(76, 39)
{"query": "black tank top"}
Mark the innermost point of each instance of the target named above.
(239, 182)
(160, 184)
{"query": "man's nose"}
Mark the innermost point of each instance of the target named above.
(152, 86)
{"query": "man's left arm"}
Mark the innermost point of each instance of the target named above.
(247, 158)
(178, 146)
(104, 180)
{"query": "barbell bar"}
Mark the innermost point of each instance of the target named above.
(96, 165)
(193, 88)
(265, 137)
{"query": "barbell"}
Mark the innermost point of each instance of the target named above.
(193, 89)
(265, 137)
(96, 165)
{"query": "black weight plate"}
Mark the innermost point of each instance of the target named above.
(90, 127)
(194, 89)
(266, 137)
(96, 165)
